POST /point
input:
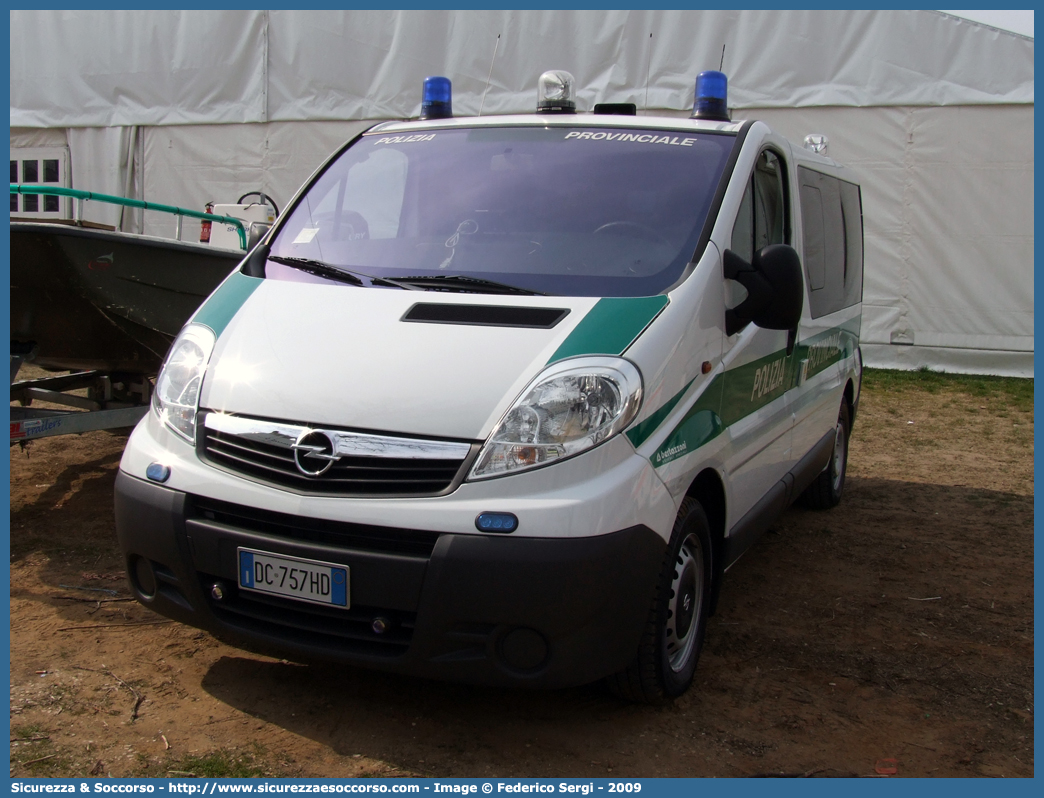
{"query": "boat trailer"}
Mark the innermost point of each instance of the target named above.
(112, 401)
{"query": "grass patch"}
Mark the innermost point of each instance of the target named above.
(224, 763)
(32, 752)
(1015, 392)
(27, 731)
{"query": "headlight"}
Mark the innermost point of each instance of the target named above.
(573, 405)
(176, 397)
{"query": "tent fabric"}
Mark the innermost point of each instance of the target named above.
(948, 220)
(953, 361)
(105, 165)
(934, 115)
(80, 68)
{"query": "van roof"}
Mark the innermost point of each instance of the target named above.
(587, 120)
(561, 120)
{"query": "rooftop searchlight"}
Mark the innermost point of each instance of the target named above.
(711, 97)
(436, 98)
(556, 93)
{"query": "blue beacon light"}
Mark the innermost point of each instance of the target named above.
(437, 98)
(496, 522)
(711, 97)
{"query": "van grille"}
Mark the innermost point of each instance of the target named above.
(271, 459)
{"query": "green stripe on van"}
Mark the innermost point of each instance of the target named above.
(827, 348)
(224, 303)
(753, 385)
(700, 425)
(740, 391)
(640, 432)
(610, 326)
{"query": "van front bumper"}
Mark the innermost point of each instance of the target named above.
(485, 609)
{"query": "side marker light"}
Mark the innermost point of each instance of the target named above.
(158, 472)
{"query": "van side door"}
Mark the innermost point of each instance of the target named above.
(832, 258)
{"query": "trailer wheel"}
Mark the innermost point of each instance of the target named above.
(825, 492)
(666, 660)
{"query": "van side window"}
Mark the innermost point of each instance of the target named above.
(815, 231)
(769, 224)
(852, 208)
(743, 230)
(832, 225)
(762, 215)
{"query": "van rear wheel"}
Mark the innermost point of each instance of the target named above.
(825, 492)
(666, 660)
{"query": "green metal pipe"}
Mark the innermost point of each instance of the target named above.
(58, 191)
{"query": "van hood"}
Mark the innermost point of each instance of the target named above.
(342, 356)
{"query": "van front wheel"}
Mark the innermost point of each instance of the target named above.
(666, 660)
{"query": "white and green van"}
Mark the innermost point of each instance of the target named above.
(501, 399)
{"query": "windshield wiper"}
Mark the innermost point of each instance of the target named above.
(321, 269)
(463, 283)
(318, 268)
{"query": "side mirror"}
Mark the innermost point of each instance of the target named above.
(775, 294)
(256, 233)
(254, 263)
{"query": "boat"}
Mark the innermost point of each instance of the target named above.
(84, 297)
(104, 306)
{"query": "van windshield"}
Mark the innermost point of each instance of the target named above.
(553, 210)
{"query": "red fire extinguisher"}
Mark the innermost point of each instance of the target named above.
(204, 229)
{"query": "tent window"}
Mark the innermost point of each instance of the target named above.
(40, 166)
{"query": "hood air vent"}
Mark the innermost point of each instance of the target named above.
(486, 315)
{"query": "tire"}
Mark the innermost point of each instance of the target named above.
(666, 660)
(825, 491)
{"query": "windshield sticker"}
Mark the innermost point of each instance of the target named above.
(644, 138)
(306, 235)
(405, 139)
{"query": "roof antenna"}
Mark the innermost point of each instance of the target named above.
(722, 64)
(648, 68)
(490, 75)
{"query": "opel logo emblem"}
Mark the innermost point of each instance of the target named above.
(314, 453)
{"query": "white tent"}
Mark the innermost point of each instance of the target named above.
(935, 113)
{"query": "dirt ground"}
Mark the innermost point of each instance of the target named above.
(893, 634)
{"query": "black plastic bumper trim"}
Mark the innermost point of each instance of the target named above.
(484, 609)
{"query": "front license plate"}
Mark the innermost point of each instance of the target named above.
(305, 580)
